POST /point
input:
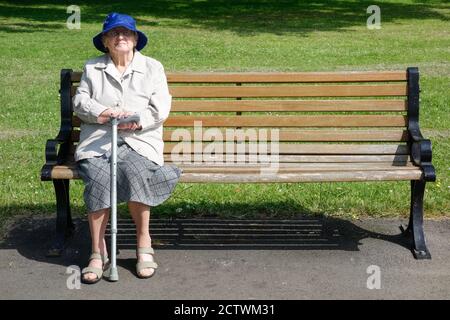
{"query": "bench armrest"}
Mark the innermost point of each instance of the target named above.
(56, 152)
(421, 153)
(419, 147)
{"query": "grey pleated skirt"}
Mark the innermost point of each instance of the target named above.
(138, 179)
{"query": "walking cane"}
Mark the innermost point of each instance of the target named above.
(113, 275)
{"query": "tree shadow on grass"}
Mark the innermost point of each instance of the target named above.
(297, 230)
(242, 17)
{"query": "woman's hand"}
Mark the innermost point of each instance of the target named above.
(132, 126)
(106, 115)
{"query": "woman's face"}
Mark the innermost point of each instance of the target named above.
(120, 40)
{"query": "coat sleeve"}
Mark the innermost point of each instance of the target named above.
(160, 102)
(86, 108)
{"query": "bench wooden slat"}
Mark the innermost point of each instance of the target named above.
(303, 167)
(299, 77)
(76, 122)
(289, 121)
(285, 91)
(65, 172)
(332, 176)
(287, 105)
(75, 76)
(288, 91)
(287, 135)
(283, 121)
(310, 171)
(284, 148)
(182, 150)
(174, 77)
(400, 159)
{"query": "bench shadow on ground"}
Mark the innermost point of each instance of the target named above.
(31, 236)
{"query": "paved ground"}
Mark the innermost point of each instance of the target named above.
(339, 273)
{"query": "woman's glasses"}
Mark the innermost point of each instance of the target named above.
(115, 33)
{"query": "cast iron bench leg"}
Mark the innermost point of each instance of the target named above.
(64, 224)
(415, 226)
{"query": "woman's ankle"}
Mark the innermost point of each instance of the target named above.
(143, 240)
(103, 251)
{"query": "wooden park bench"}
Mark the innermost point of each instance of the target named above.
(323, 127)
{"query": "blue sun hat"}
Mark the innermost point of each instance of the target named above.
(114, 20)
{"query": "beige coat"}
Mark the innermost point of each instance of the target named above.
(142, 89)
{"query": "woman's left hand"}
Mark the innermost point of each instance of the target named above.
(132, 126)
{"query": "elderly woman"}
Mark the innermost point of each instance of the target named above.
(120, 83)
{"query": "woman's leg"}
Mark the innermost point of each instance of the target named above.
(98, 221)
(141, 216)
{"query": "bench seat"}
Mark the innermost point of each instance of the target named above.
(294, 172)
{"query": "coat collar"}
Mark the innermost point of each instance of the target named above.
(106, 63)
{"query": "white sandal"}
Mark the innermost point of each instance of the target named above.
(145, 264)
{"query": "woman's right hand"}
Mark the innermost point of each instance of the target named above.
(106, 115)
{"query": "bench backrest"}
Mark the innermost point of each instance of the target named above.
(320, 116)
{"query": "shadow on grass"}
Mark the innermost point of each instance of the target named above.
(242, 17)
(31, 235)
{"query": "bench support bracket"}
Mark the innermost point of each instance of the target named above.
(64, 225)
(415, 226)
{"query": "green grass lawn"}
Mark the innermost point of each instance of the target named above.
(223, 35)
